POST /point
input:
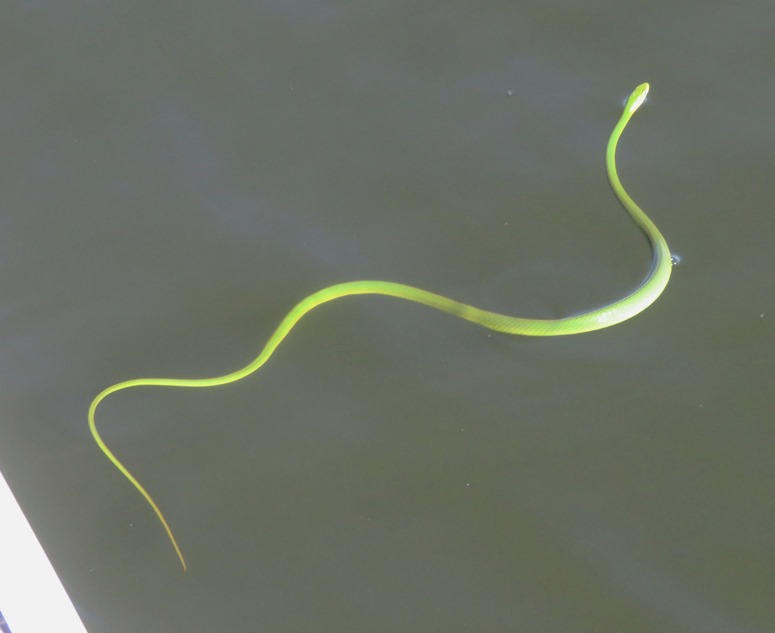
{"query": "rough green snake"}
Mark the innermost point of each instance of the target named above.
(602, 317)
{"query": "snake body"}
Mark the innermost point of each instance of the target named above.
(602, 317)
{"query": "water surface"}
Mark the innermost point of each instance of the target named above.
(175, 177)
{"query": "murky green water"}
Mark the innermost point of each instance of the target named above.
(175, 177)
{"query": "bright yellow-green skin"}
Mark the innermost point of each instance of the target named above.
(602, 317)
